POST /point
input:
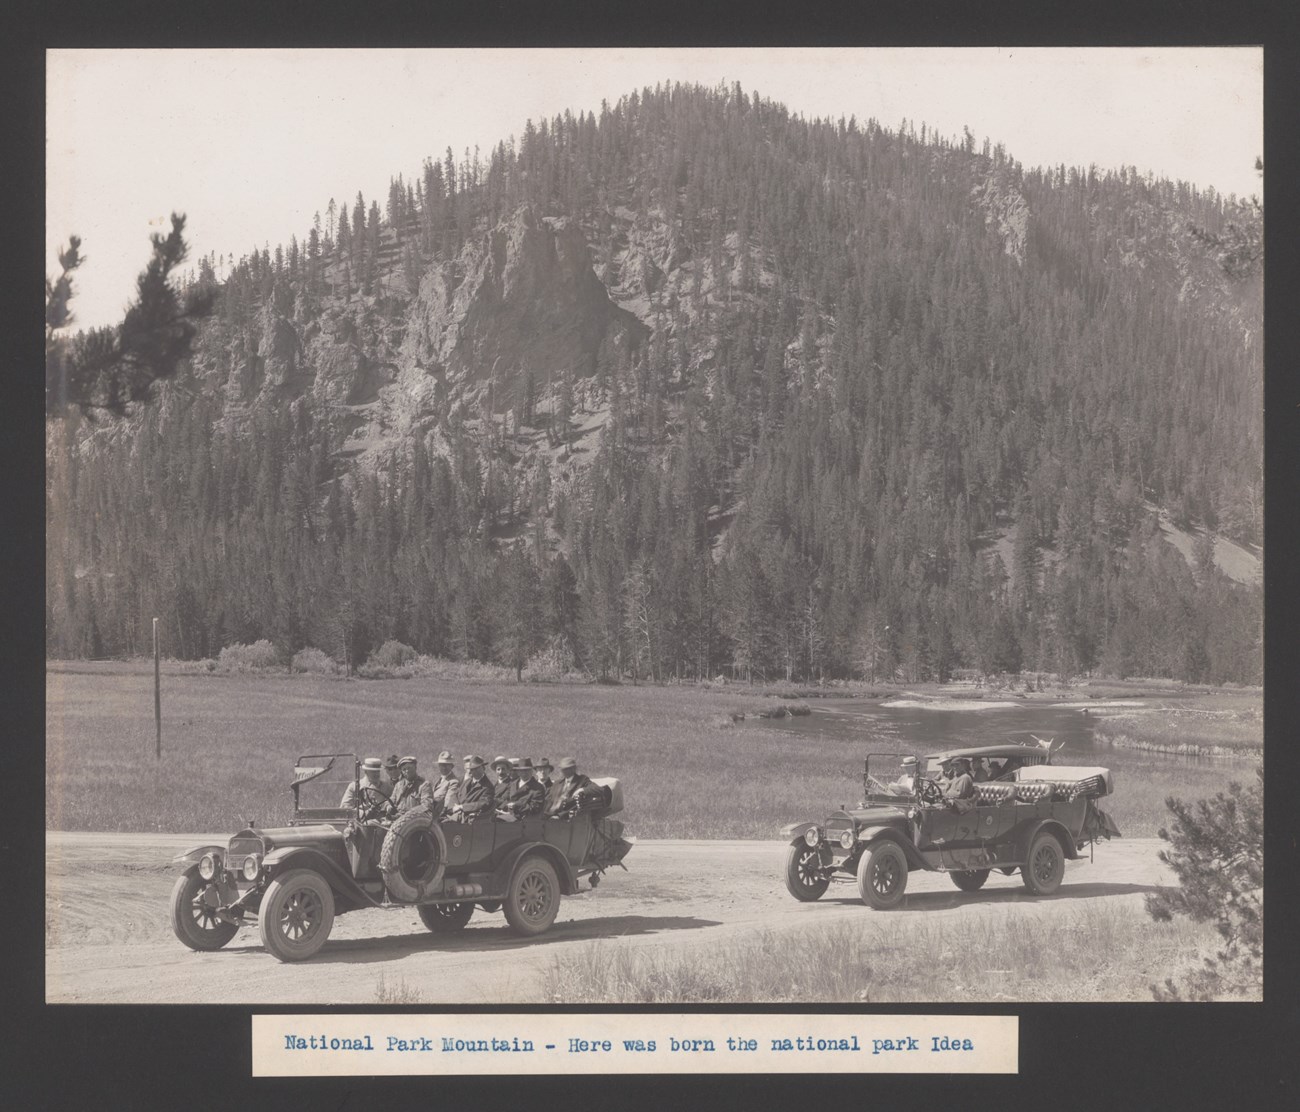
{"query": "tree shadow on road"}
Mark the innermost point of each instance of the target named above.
(494, 938)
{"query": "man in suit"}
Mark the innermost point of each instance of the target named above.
(543, 773)
(412, 792)
(475, 794)
(524, 797)
(504, 770)
(565, 794)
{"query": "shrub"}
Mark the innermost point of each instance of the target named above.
(392, 654)
(316, 662)
(257, 657)
(1217, 853)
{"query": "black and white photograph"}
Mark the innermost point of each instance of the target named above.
(628, 526)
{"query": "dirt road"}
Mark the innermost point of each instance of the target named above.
(108, 939)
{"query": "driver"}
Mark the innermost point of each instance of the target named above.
(369, 794)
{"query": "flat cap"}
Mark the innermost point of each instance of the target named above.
(406, 761)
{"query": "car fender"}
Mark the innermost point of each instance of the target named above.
(795, 831)
(501, 874)
(1056, 827)
(192, 857)
(307, 857)
(873, 836)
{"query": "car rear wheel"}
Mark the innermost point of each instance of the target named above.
(1043, 871)
(194, 914)
(296, 915)
(445, 918)
(882, 876)
(803, 876)
(970, 881)
(532, 896)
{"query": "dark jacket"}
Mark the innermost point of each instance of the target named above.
(523, 798)
(475, 797)
(563, 792)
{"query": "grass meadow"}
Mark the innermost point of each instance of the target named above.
(688, 771)
(1102, 951)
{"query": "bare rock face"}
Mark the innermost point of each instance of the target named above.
(521, 301)
(1006, 211)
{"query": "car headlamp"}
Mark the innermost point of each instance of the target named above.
(812, 836)
(846, 839)
(252, 866)
(208, 866)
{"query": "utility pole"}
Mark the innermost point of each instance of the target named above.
(157, 695)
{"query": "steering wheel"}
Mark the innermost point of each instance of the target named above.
(929, 791)
(373, 801)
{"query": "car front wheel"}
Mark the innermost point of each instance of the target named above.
(1043, 871)
(971, 881)
(882, 876)
(532, 896)
(296, 915)
(194, 914)
(445, 918)
(803, 876)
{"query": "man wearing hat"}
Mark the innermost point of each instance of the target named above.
(444, 788)
(565, 793)
(961, 786)
(504, 769)
(391, 771)
(524, 797)
(475, 794)
(412, 792)
(369, 794)
(542, 773)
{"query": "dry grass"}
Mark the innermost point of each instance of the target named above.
(1093, 953)
(395, 992)
(229, 742)
(1222, 726)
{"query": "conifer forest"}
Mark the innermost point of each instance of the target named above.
(695, 386)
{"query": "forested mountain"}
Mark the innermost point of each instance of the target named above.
(696, 385)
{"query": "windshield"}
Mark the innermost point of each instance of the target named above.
(322, 779)
(891, 774)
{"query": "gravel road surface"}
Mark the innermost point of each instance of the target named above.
(108, 938)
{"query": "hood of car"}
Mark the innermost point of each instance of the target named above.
(276, 837)
(875, 814)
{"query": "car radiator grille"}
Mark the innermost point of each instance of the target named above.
(240, 849)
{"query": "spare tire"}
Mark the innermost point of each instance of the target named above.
(414, 857)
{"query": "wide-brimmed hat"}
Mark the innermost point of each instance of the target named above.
(568, 762)
(405, 761)
(545, 764)
(372, 764)
(445, 757)
(524, 764)
(474, 762)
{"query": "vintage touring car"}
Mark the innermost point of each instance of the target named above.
(331, 859)
(1029, 814)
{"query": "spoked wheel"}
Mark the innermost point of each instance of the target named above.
(1043, 871)
(971, 881)
(532, 897)
(194, 914)
(803, 876)
(296, 915)
(445, 918)
(882, 876)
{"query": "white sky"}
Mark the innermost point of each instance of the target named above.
(249, 144)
